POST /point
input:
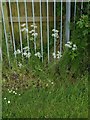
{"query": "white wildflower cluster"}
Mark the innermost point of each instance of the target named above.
(32, 32)
(38, 54)
(55, 34)
(24, 28)
(13, 92)
(54, 55)
(20, 64)
(17, 52)
(26, 52)
(71, 45)
(58, 55)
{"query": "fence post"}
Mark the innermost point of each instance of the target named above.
(48, 30)
(54, 26)
(41, 30)
(26, 23)
(19, 26)
(61, 30)
(68, 12)
(12, 28)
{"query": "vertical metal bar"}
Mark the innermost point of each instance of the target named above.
(19, 26)
(54, 26)
(48, 31)
(12, 28)
(41, 29)
(5, 33)
(61, 30)
(26, 23)
(33, 24)
(68, 7)
(81, 7)
(75, 11)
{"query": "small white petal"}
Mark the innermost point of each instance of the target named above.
(70, 43)
(10, 91)
(8, 102)
(73, 49)
(13, 91)
(67, 45)
(35, 26)
(52, 83)
(53, 30)
(24, 53)
(53, 54)
(18, 51)
(31, 31)
(23, 25)
(74, 46)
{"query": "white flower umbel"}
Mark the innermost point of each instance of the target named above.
(54, 55)
(32, 31)
(55, 35)
(5, 98)
(17, 52)
(8, 101)
(20, 65)
(38, 55)
(35, 34)
(52, 83)
(56, 31)
(70, 43)
(59, 54)
(10, 91)
(34, 26)
(23, 25)
(74, 45)
(28, 55)
(25, 48)
(24, 53)
(13, 91)
(74, 49)
(68, 46)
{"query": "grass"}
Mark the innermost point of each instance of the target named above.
(43, 95)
